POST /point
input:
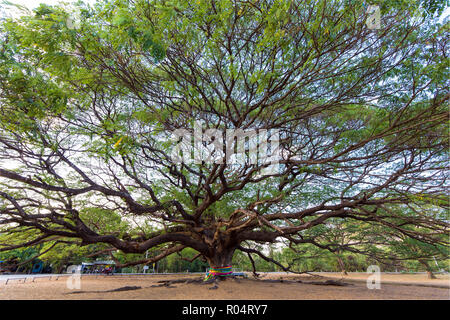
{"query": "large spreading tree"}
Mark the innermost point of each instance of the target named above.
(90, 96)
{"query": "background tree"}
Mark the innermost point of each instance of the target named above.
(87, 112)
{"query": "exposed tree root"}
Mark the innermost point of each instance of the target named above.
(126, 288)
(185, 280)
(329, 283)
(323, 283)
(215, 281)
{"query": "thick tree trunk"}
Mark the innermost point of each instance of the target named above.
(221, 258)
(428, 269)
(341, 265)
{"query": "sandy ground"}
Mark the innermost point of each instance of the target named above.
(403, 287)
(389, 278)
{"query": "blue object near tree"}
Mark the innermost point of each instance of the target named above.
(37, 267)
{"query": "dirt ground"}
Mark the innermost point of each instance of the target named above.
(396, 286)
